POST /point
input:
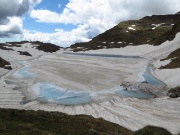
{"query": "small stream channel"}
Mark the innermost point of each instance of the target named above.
(24, 71)
(48, 92)
(151, 79)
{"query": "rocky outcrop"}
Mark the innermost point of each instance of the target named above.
(24, 53)
(4, 47)
(46, 47)
(175, 60)
(174, 92)
(5, 64)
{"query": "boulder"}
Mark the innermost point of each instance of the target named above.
(173, 95)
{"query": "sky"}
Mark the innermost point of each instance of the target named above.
(65, 22)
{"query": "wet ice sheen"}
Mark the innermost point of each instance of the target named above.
(151, 79)
(135, 94)
(48, 92)
(24, 71)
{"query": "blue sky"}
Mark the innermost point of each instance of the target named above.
(52, 5)
(65, 22)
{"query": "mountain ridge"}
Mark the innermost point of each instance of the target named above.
(153, 30)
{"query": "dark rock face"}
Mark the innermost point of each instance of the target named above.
(175, 62)
(3, 47)
(174, 92)
(173, 95)
(16, 43)
(4, 64)
(144, 82)
(153, 30)
(24, 53)
(46, 47)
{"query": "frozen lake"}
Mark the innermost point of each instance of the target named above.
(47, 92)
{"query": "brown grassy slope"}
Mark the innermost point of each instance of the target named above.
(45, 123)
(175, 63)
(24, 122)
(169, 35)
(151, 130)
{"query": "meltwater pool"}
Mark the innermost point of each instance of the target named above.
(24, 71)
(150, 78)
(50, 93)
(135, 94)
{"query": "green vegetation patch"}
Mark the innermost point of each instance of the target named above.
(168, 35)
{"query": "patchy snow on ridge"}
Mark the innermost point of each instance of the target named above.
(144, 50)
(130, 28)
(156, 25)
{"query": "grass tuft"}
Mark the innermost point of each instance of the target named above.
(151, 130)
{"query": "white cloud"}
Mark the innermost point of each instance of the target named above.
(91, 16)
(59, 36)
(96, 16)
(10, 13)
(14, 22)
(105, 11)
(59, 5)
(13, 27)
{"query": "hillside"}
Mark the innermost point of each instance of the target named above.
(76, 94)
(45, 123)
(153, 30)
(23, 122)
(175, 60)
